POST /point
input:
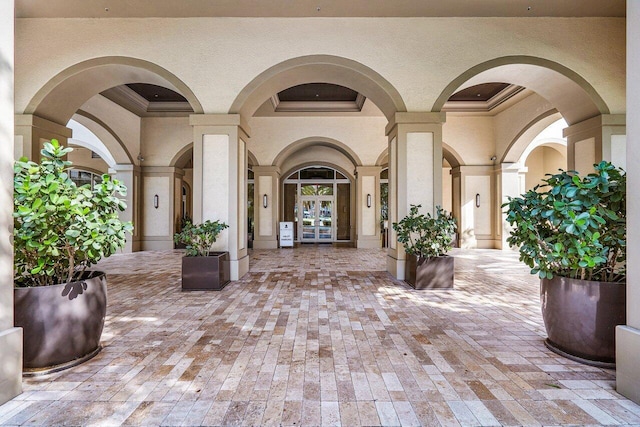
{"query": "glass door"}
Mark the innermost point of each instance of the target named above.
(317, 219)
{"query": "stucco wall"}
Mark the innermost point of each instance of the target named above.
(218, 57)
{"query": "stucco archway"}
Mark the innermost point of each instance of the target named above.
(572, 95)
(314, 69)
(66, 92)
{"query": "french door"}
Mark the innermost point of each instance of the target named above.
(317, 219)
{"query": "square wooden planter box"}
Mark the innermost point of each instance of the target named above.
(205, 273)
(430, 273)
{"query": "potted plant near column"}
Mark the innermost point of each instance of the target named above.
(426, 240)
(571, 231)
(60, 230)
(202, 268)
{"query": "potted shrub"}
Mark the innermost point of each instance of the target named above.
(60, 230)
(426, 241)
(571, 231)
(203, 269)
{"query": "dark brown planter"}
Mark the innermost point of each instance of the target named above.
(205, 273)
(581, 316)
(430, 273)
(62, 324)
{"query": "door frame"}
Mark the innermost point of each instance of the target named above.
(317, 203)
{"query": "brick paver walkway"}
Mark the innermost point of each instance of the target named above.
(323, 336)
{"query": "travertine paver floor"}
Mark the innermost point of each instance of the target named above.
(321, 336)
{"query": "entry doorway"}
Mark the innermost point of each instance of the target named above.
(317, 219)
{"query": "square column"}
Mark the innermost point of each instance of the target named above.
(368, 206)
(160, 195)
(511, 184)
(10, 337)
(32, 131)
(415, 173)
(596, 139)
(220, 182)
(130, 176)
(266, 183)
(628, 337)
(474, 206)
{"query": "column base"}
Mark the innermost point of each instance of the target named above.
(396, 267)
(370, 243)
(265, 244)
(239, 267)
(11, 371)
(627, 367)
(157, 245)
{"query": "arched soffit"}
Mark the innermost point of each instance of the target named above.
(104, 133)
(451, 156)
(527, 135)
(83, 137)
(63, 95)
(557, 145)
(383, 158)
(252, 160)
(343, 171)
(316, 141)
(318, 69)
(569, 92)
(182, 157)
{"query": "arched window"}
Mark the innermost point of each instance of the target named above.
(82, 177)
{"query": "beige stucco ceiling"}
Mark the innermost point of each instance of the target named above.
(318, 8)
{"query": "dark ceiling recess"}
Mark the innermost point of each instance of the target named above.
(318, 92)
(153, 93)
(482, 92)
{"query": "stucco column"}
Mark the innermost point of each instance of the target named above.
(160, 189)
(368, 206)
(510, 179)
(220, 181)
(10, 337)
(628, 337)
(32, 131)
(129, 175)
(266, 183)
(415, 173)
(474, 207)
(596, 139)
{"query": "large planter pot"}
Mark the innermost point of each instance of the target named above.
(62, 324)
(430, 273)
(581, 316)
(205, 273)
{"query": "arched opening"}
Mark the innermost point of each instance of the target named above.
(318, 199)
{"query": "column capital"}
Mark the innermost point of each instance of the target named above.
(43, 124)
(123, 167)
(220, 120)
(266, 170)
(415, 118)
(368, 170)
(594, 123)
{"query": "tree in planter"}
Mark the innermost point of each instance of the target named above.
(199, 238)
(425, 236)
(571, 232)
(60, 230)
(426, 240)
(573, 227)
(203, 269)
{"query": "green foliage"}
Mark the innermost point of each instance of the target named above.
(199, 238)
(60, 229)
(573, 226)
(424, 235)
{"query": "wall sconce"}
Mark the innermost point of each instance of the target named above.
(156, 201)
(477, 200)
(264, 201)
(368, 200)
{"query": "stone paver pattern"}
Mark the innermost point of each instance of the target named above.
(318, 335)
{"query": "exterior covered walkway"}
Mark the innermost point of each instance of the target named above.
(323, 336)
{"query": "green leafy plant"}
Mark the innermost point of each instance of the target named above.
(426, 236)
(61, 229)
(573, 226)
(199, 238)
